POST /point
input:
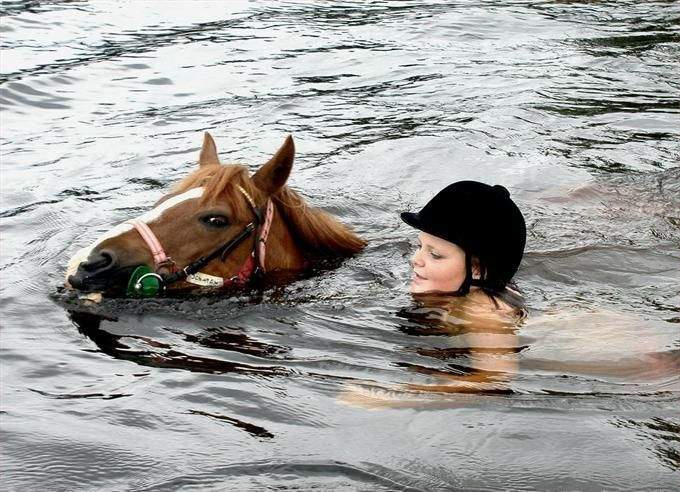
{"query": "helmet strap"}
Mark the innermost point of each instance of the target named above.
(468, 281)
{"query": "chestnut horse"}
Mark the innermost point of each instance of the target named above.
(218, 227)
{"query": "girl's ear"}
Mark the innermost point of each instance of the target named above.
(272, 176)
(208, 156)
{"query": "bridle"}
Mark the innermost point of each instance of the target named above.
(166, 271)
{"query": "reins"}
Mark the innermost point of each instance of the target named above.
(167, 273)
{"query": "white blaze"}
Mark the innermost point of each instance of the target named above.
(147, 217)
(155, 213)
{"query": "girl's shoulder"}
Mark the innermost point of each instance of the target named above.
(508, 303)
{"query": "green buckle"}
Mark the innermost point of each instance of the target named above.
(144, 282)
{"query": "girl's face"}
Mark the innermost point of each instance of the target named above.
(438, 265)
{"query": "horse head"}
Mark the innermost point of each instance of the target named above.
(218, 227)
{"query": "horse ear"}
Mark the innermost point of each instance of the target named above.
(208, 152)
(271, 177)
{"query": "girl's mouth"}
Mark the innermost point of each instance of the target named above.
(418, 278)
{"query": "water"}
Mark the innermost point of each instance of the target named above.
(573, 106)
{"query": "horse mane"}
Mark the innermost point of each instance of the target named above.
(317, 232)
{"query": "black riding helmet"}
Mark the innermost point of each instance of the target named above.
(484, 222)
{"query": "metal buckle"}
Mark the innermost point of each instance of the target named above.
(138, 284)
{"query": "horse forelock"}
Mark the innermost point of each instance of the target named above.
(220, 183)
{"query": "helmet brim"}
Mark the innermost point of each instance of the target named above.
(412, 219)
(415, 220)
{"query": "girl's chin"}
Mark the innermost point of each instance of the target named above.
(422, 286)
(418, 287)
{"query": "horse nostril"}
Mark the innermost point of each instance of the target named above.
(99, 262)
(76, 281)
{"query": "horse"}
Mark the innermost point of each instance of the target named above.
(217, 228)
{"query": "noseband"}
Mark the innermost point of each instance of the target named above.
(166, 271)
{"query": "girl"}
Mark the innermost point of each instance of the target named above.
(471, 244)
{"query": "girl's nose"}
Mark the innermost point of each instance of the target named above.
(417, 259)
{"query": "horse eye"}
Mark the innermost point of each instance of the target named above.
(216, 221)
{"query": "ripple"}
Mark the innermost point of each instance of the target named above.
(159, 81)
(254, 430)
(46, 101)
(330, 475)
(71, 396)
(64, 463)
(626, 45)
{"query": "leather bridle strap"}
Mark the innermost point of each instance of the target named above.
(222, 251)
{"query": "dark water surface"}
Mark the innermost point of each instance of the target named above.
(574, 106)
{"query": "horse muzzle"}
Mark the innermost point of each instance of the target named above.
(100, 272)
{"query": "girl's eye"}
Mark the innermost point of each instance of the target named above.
(436, 255)
(215, 220)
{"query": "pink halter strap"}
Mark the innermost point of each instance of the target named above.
(264, 232)
(248, 267)
(159, 256)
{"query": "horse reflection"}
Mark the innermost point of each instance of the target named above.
(160, 354)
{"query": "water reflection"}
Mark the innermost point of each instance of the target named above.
(252, 429)
(627, 45)
(224, 338)
(660, 435)
(150, 352)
